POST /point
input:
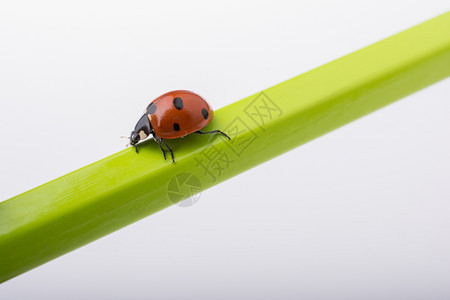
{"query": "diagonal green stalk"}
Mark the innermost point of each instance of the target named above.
(75, 209)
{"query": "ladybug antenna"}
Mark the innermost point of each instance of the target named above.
(126, 137)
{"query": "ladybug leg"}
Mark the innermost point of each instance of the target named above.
(170, 149)
(162, 149)
(213, 131)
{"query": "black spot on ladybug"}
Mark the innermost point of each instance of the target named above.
(176, 126)
(151, 108)
(178, 103)
(205, 113)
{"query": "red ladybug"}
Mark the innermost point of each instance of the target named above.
(173, 115)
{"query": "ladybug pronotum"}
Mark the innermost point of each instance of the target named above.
(173, 115)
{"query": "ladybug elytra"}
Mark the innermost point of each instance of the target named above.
(173, 115)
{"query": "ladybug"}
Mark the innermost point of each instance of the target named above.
(173, 115)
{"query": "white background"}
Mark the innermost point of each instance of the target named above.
(360, 213)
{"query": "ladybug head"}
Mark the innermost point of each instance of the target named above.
(134, 138)
(141, 131)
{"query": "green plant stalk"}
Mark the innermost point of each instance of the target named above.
(75, 209)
